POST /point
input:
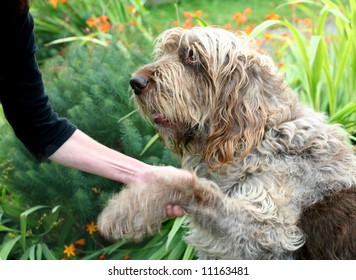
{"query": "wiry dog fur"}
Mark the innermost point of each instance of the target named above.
(273, 180)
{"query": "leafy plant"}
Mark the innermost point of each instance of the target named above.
(322, 63)
(101, 22)
(89, 86)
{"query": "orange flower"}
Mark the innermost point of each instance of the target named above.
(297, 20)
(268, 36)
(273, 17)
(69, 250)
(291, 6)
(240, 18)
(91, 228)
(103, 19)
(280, 64)
(285, 35)
(126, 258)
(187, 24)
(198, 13)
(175, 23)
(187, 15)
(307, 22)
(227, 26)
(248, 28)
(91, 22)
(80, 242)
(104, 27)
(102, 23)
(131, 8)
(247, 11)
(54, 3)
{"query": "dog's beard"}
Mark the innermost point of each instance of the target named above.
(180, 137)
(176, 133)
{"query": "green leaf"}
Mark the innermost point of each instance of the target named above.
(201, 21)
(150, 143)
(262, 27)
(321, 21)
(7, 247)
(338, 14)
(25, 255)
(32, 252)
(5, 228)
(23, 223)
(343, 113)
(11, 210)
(300, 43)
(39, 251)
(47, 252)
(189, 253)
(175, 228)
(313, 48)
(177, 251)
(84, 39)
(340, 73)
(55, 209)
(127, 116)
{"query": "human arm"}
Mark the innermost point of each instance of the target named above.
(25, 103)
(42, 131)
(84, 153)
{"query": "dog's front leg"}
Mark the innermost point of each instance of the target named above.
(140, 207)
(256, 221)
(251, 225)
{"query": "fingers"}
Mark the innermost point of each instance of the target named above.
(178, 211)
(173, 211)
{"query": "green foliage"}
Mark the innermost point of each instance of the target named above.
(90, 20)
(322, 65)
(89, 86)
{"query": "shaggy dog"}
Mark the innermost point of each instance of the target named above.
(273, 180)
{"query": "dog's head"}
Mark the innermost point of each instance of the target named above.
(210, 92)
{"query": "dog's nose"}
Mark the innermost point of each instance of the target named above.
(138, 83)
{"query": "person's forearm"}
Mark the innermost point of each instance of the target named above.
(83, 153)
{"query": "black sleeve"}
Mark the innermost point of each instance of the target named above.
(25, 104)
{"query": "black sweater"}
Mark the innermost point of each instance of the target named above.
(22, 95)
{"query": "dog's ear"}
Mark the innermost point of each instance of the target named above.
(240, 112)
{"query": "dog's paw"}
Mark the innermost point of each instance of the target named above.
(129, 214)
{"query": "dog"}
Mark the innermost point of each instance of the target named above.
(272, 180)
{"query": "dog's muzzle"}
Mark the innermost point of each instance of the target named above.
(138, 83)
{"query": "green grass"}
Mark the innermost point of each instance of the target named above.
(215, 12)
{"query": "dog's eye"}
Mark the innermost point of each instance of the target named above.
(191, 57)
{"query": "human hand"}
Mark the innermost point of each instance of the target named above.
(155, 174)
(148, 198)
